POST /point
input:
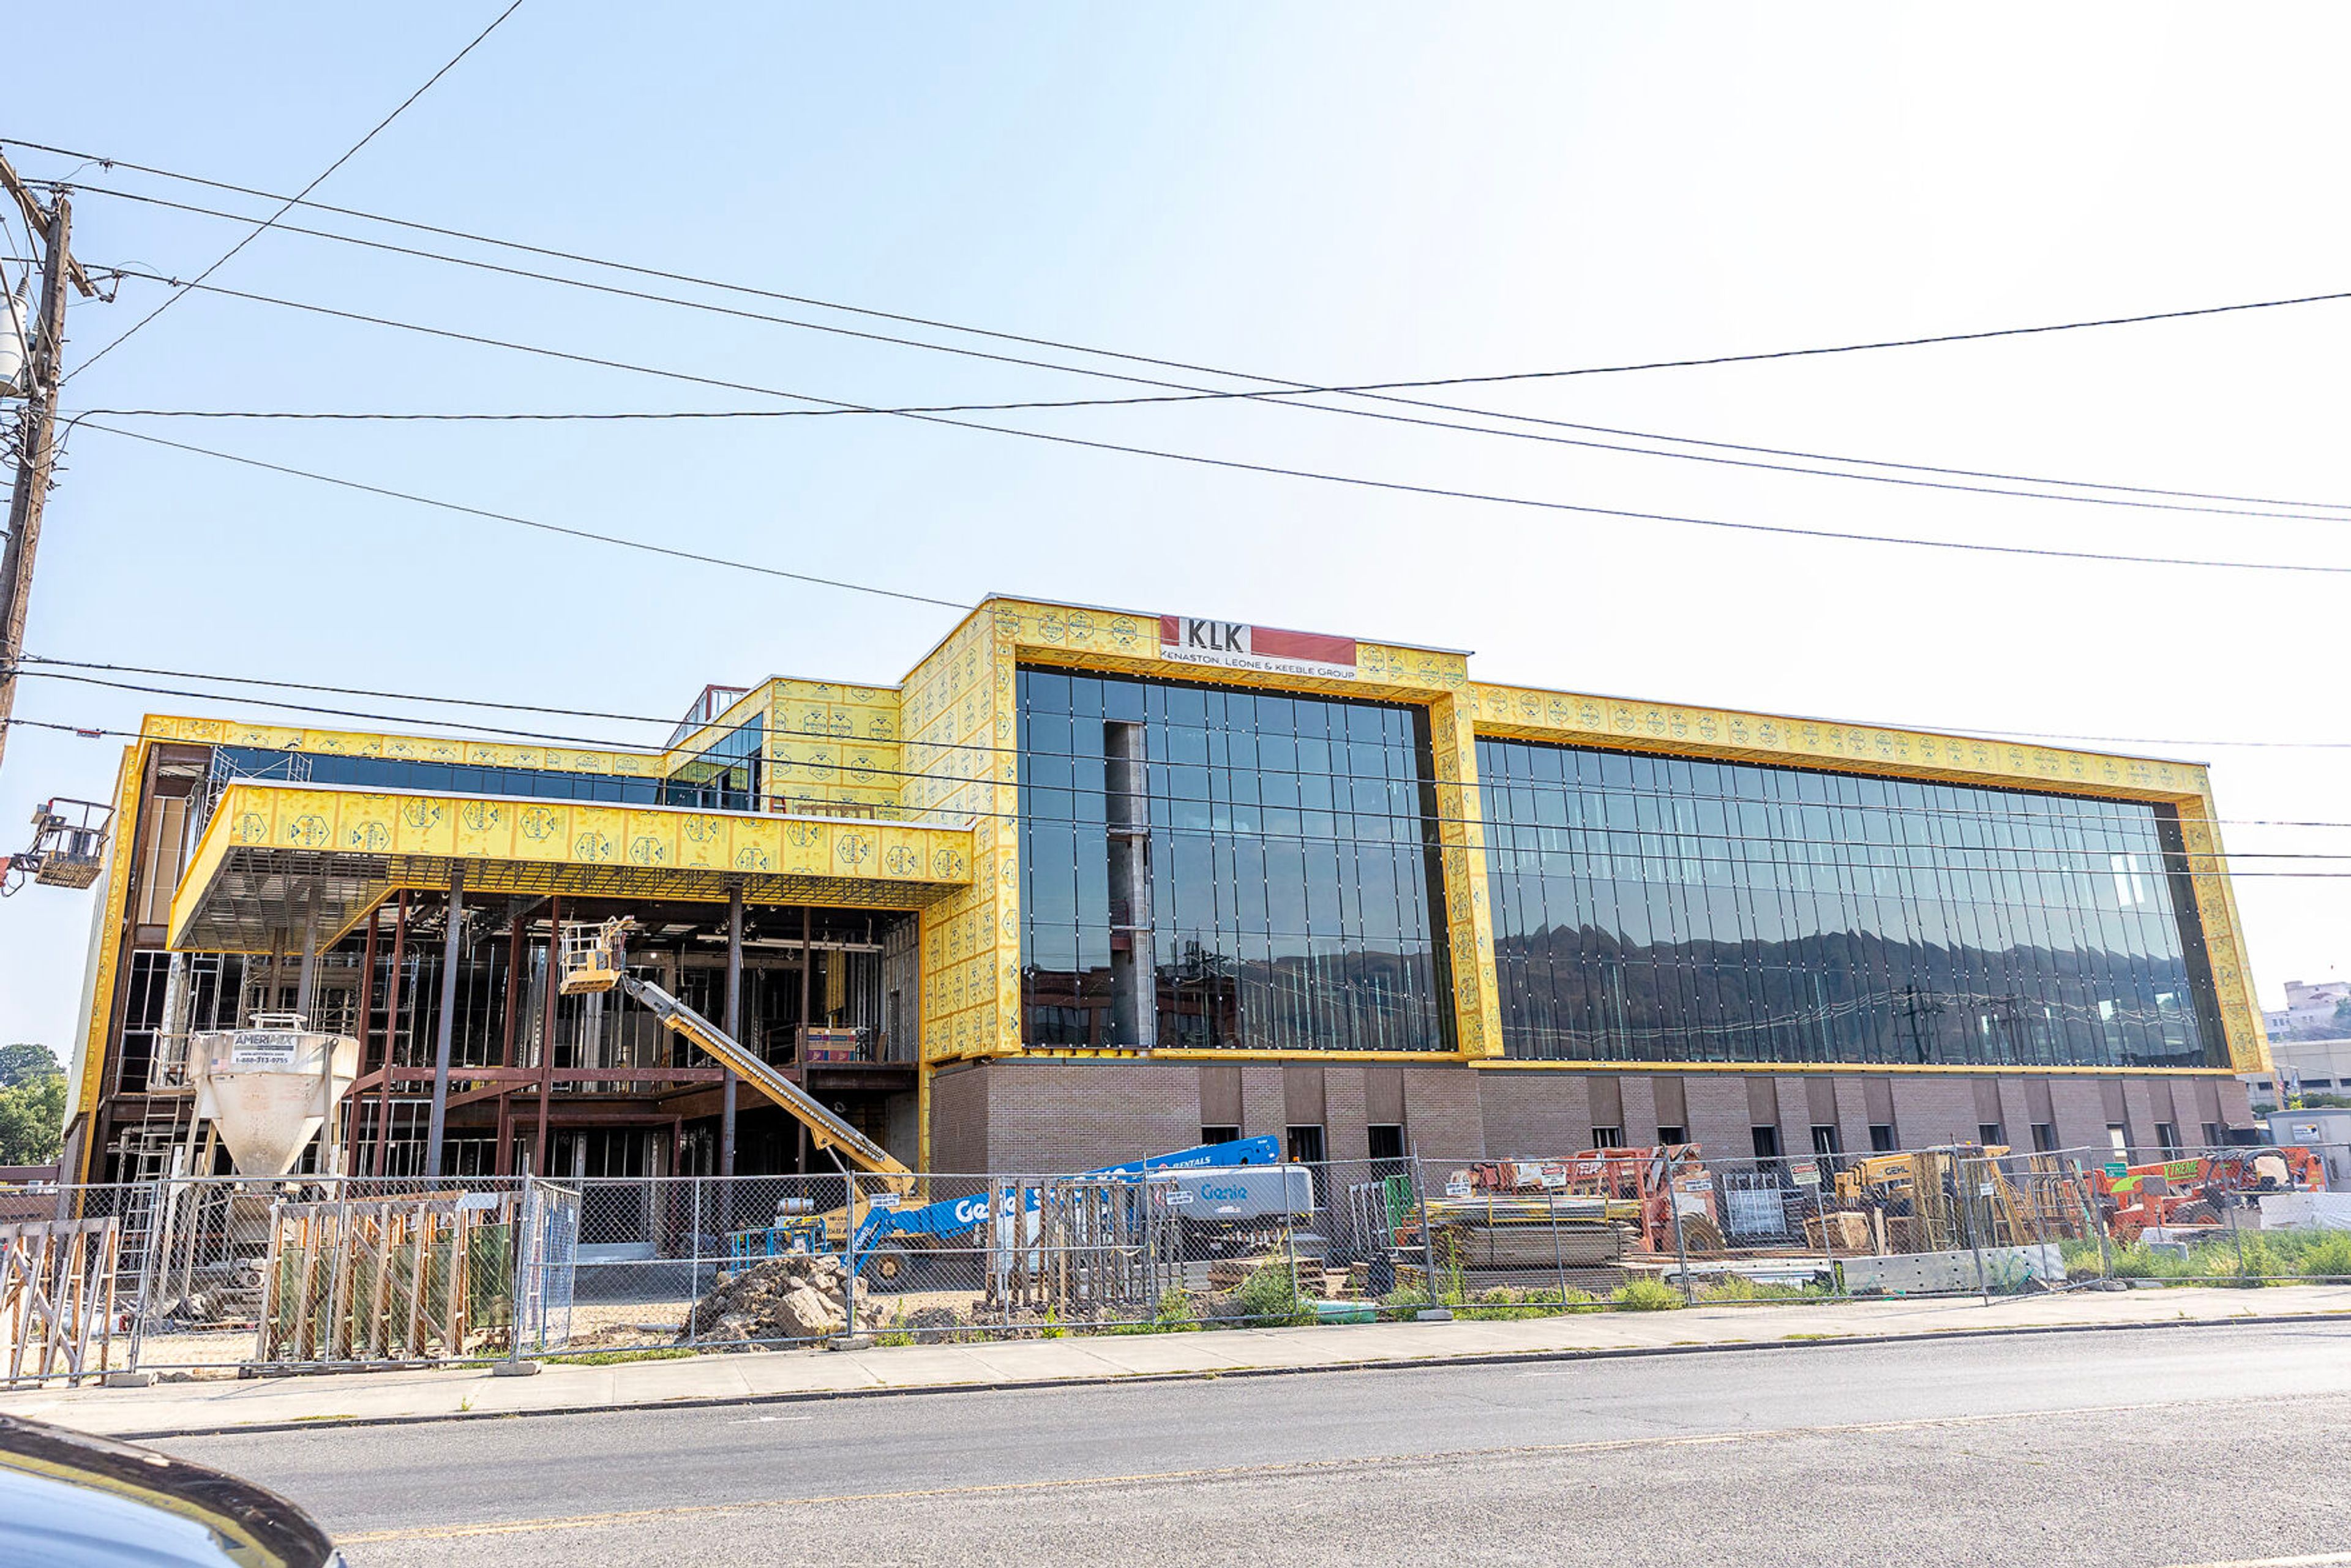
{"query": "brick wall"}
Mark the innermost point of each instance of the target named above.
(2081, 1109)
(1637, 1095)
(1265, 1105)
(1345, 1136)
(1852, 1114)
(1531, 1115)
(959, 1119)
(1045, 1115)
(1716, 1104)
(1442, 1119)
(2139, 1115)
(1940, 1108)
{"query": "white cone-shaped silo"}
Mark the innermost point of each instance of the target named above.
(269, 1091)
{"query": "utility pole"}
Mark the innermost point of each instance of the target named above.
(37, 433)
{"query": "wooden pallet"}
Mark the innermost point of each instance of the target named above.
(57, 1296)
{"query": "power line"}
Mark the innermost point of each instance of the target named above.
(674, 277)
(567, 712)
(1235, 465)
(1182, 392)
(959, 779)
(621, 540)
(1660, 854)
(291, 201)
(1661, 844)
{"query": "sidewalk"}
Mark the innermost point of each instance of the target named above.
(175, 1409)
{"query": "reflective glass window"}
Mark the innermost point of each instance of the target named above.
(1288, 861)
(1740, 913)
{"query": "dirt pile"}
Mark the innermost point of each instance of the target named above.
(798, 1297)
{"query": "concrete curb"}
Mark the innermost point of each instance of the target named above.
(1123, 1380)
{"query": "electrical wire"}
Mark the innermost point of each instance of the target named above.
(2002, 736)
(960, 779)
(1657, 854)
(1354, 481)
(620, 540)
(1280, 384)
(1182, 392)
(292, 201)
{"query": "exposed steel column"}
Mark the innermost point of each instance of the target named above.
(799, 1046)
(734, 1026)
(390, 1032)
(446, 1033)
(367, 1007)
(547, 1033)
(502, 1157)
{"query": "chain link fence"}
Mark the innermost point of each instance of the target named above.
(318, 1273)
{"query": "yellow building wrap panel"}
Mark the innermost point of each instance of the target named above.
(1469, 925)
(114, 893)
(366, 844)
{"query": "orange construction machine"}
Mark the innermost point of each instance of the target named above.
(1656, 1177)
(2199, 1189)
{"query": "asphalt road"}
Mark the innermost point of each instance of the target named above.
(2176, 1445)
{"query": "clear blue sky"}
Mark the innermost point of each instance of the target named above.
(1322, 191)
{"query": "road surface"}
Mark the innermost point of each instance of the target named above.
(2190, 1444)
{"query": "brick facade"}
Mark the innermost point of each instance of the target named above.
(1042, 1115)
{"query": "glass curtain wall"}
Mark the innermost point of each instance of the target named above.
(724, 779)
(1205, 867)
(396, 775)
(1654, 908)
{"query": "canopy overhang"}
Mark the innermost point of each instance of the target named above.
(283, 864)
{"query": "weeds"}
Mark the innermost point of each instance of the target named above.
(1646, 1295)
(1740, 1287)
(1269, 1298)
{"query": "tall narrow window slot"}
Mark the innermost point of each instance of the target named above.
(1126, 813)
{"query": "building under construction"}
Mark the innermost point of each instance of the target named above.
(1090, 883)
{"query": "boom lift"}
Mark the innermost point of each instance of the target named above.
(879, 1233)
(595, 958)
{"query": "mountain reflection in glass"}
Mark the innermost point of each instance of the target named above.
(1288, 869)
(1668, 909)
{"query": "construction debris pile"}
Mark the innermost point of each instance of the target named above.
(799, 1296)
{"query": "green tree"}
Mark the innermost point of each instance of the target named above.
(32, 1120)
(21, 1063)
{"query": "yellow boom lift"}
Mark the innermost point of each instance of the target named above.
(595, 958)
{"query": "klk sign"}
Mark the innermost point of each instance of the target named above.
(1238, 646)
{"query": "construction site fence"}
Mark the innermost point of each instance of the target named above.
(319, 1273)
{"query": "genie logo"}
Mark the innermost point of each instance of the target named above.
(1223, 1194)
(971, 1210)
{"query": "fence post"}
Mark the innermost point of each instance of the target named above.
(1821, 1218)
(693, 1265)
(1558, 1259)
(1969, 1183)
(1674, 1209)
(529, 1250)
(849, 1249)
(2097, 1220)
(1290, 1246)
(1436, 1311)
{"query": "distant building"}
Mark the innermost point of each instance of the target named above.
(2309, 1009)
(2299, 1068)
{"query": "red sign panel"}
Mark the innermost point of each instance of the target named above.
(1238, 646)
